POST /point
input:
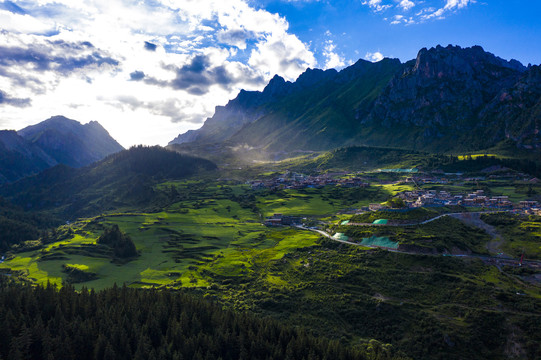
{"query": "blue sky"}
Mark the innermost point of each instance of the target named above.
(510, 29)
(149, 70)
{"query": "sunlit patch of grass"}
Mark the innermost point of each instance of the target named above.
(475, 156)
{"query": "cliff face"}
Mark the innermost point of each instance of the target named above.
(515, 113)
(444, 87)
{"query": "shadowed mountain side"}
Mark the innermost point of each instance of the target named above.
(122, 180)
(20, 158)
(322, 116)
(69, 142)
(57, 140)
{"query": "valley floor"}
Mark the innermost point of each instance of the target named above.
(452, 289)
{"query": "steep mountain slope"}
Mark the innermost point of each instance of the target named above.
(71, 143)
(515, 113)
(447, 99)
(322, 116)
(19, 157)
(435, 102)
(317, 111)
(248, 106)
(121, 180)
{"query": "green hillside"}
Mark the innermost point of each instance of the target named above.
(323, 116)
(122, 180)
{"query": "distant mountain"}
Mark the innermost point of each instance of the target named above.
(57, 140)
(71, 143)
(248, 106)
(121, 180)
(19, 157)
(447, 99)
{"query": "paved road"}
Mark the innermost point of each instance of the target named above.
(482, 257)
(326, 235)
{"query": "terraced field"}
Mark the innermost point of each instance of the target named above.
(175, 247)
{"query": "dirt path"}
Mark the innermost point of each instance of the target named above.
(474, 219)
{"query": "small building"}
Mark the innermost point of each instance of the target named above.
(375, 207)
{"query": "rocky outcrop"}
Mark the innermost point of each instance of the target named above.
(443, 90)
(515, 113)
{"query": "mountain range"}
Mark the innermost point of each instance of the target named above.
(58, 140)
(447, 99)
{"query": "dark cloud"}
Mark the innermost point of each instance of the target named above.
(150, 46)
(76, 46)
(197, 76)
(137, 75)
(198, 65)
(69, 57)
(27, 81)
(17, 102)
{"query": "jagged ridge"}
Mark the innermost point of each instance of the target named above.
(447, 99)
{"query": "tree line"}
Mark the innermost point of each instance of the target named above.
(125, 323)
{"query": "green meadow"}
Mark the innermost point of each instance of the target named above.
(176, 246)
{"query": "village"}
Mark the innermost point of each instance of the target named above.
(412, 199)
(293, 180)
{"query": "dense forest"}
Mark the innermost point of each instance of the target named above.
(17, 225)
(124, 323)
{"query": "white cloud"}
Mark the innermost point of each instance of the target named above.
(450, 6)
(282, 54)
(397, 19)
(406, 4)
(376, 5)
(396, 10)
(333, 59)
(459, 4)
(374, 57)
(92, 63)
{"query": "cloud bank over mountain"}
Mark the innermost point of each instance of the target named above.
(133, 63)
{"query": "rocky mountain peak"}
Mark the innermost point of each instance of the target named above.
(451, 61)
(312, 77)
(69, 142)
(276, 86)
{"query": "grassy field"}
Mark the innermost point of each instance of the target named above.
(521, 234)
(174, 246)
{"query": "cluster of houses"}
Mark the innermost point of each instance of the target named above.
(428, 198)
(292, 180)
(439, 177)
(279, 219)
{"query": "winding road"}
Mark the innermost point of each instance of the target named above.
(467, 218)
